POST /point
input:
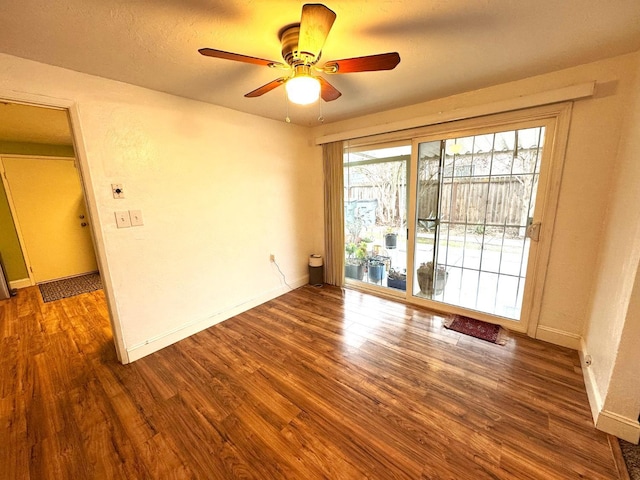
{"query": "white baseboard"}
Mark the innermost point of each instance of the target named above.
(558, 337)
(593, 393)
(625, 428)
(22, 283)
(152, 345)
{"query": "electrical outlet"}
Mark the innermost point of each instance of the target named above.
(272, 258)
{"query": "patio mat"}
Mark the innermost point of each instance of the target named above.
(70, 287)
(475, 328)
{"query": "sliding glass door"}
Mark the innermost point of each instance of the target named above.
(449, 219)
(474, 202)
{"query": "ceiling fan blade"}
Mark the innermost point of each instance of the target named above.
(371, 63)
(327, 91)
(315, 24)
(212, 52)
(266, 88)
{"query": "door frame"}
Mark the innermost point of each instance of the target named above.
(557, 119)
(82, 164)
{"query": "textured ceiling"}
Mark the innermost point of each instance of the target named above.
(446, 47)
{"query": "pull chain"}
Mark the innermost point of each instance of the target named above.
(286, 101)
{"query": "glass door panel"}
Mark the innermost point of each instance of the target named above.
(475, 198)
(428, 201)
(375, 203)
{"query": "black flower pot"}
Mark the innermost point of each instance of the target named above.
(354, 271)
(391, 241)
(376, 272)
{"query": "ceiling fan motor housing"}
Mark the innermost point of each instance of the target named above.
(290, 53)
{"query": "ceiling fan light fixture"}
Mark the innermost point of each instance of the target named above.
(302, 45)
(303, 89)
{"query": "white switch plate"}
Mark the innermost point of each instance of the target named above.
(136, 218)
(118, 190)
(123, 220)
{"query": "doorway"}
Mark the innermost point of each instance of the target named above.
(50, 216)
(47, 130)
(43, 186)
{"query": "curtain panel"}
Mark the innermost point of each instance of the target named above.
(332, 154)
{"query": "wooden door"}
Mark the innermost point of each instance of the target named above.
(49, 205)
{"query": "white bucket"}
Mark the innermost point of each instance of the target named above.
(315, 260)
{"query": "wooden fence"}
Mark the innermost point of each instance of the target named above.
(475, 200)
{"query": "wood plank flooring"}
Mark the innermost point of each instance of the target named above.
(320, 383)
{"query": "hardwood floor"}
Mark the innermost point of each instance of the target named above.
(319, 383)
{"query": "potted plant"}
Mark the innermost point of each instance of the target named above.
(355, 261)
(397, 279)
(426, 279)
(367, 241)
(375, 270)
(390, 240)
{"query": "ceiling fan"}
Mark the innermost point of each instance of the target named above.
(301, 49)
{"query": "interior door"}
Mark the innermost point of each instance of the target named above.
(49, 205)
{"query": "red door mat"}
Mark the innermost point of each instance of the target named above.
(475, 328)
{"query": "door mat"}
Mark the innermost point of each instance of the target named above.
(475, 328)
(69, 287)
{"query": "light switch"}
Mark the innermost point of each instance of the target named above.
(118, 190)
(136, 218)
(123, 220)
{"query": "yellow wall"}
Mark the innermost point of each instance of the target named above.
(9, 246)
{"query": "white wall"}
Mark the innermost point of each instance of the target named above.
(613, 323)
(591, 151)
(219, 191)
